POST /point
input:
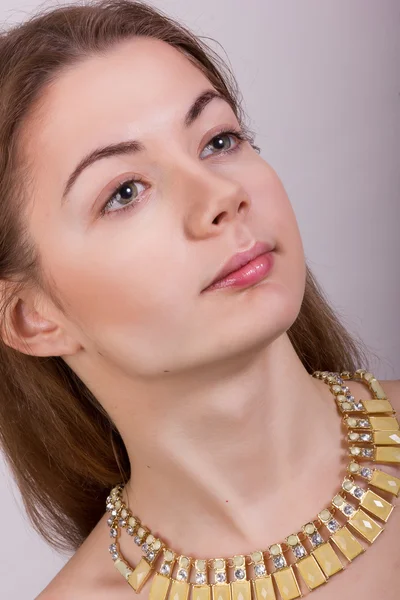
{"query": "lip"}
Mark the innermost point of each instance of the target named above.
(239, 260)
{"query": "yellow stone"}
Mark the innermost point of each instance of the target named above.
(338, 500)
(387, 454)
(384, 423)
(377, 406)
(122, 567)
(376, 505)
(327, 559)
(311, 572)
(325, 515)
(351, 422)
(387, 438)
(183, 562)
(292, 540)
(219, 563)
(132, 521)
(256, 556)
(219, 591)
(140, 575)
(366, 375)
(241, 590)
(200, 564)
(377, 389)
(365, 525)
(159, 587)
(347, 543)
(287, 583)
(239, 560)
(275, 549)
(264, 588)
(179, 590)
(354, 467)
(309, 528)
(200, 592)
(168, 555)
(386, 482)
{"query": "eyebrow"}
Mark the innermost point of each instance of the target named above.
(133, 146)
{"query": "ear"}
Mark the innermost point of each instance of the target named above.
(27, 330)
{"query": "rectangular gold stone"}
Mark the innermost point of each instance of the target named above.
(264, 588)
(384, 423)
(287, 583)
(159, 587)
(376, 505)
(347, 543)
(387, 438)
(241, 590)
(386, 482)
(220, 591)
(311, 572)
(200, 592)
(327, 559)
(365, 525)
(377, 389)
(387, 454)
(140, 575)
(122, 567)
(179, 590)
(377, 406)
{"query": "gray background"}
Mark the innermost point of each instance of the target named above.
(321, 83)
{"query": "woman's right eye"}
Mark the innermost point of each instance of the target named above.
(125, 192)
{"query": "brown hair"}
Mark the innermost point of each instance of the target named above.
(61, 446)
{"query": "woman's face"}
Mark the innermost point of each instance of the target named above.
(132, 279)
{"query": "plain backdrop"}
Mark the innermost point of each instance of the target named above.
(321, 84)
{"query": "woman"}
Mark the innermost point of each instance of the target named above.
(132, 186)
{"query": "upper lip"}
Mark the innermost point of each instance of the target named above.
(240, 259)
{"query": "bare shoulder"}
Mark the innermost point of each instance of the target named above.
(89, 573)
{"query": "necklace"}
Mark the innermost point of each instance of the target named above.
(357, 513)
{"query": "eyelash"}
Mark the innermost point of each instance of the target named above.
(241, 137)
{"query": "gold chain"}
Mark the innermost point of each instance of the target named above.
(370, 423)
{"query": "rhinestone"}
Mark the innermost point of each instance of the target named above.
(366, 472)
(220, 577)
(109, 506)
(182, 575)
(165, 569)
(279, 561)
(113, 532)
(348, 510)
(145, 547)
(114, 555)
(369, 452)
(299, 551)
(200, 578)
(112, 547)
(333, 525)
(316, 539)
(110, 521)
(150, 555)
(108, 499)
(365, 437)
(129, 530)
(114, 512)
(137, 540)
(345, 388)
(358, 406)
(260, 570)
(358, 492)
(240, 574)
(122, 522)
(363, 423)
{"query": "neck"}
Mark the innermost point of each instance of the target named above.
(233, 461)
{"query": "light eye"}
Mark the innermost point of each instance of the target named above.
(217, 139)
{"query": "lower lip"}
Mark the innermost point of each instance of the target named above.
(251, 273)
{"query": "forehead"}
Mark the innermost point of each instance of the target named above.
(136, 86)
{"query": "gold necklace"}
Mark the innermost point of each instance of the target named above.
(311, 553)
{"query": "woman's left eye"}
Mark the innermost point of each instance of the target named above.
(125, 191)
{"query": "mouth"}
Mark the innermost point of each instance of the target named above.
(244, 268)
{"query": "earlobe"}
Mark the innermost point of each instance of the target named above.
(29, 332)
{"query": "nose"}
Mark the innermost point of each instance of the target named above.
(211, 200)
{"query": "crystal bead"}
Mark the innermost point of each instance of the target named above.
(299, 551)
(365, 437)
(220, 577)
(366, 472)
(145, 547)
(358, 492)
(348, 510)
(333, 525)
(165, 569)
(110, 521)
(200, 578)
(260, 570)
(121, 522)
(114, 555)
(137, 540)
(182, 575)
(279, 561)
(363, 423)
(150, 555)
(112, 547)
(109, 507)
(129, 530)
(239, 573)
(316, 539)
(114, 512)
(368, 452)
(113, 532)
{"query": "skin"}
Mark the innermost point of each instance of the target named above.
(212, 401)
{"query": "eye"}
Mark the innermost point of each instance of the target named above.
(126, 192)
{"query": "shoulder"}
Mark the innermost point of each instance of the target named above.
(89, 573)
